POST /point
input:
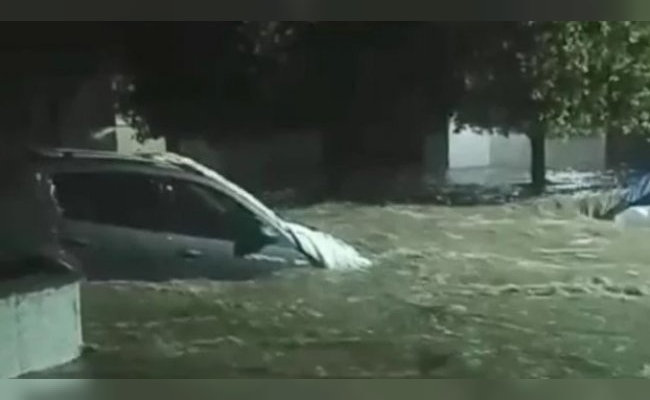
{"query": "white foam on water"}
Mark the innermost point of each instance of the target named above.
(324, 249)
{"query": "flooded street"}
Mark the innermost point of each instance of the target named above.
(516, 291)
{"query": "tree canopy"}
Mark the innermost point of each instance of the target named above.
(218, 78)
(291, 73)
(570, 78)
(539, 78)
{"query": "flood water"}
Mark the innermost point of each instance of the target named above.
(511, 291)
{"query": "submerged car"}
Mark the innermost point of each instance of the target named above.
(163, 216)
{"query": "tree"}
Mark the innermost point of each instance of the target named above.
(357, 76)
(557, 79)
(266, 73)
(541, 78)
(47, 68)
(196, 78)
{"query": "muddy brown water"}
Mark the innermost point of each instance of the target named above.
(515, 291)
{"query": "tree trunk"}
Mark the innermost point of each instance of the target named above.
(538, 161)
(436, 149)
(611, 150)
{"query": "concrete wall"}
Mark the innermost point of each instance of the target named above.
(582, 154)
(469, 149)
(40, 327)
(512, 151)
(286, 158)
(126, 142)
(87, 119)
(472, 149)
(275, 161)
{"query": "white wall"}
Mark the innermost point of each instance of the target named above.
(272, 161)
(39, 329)
(88, 120)
(468, 149)
(581, 153)
(126, 142)
(472, 149)
(512, 151)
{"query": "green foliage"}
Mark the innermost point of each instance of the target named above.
(494, 91)
(178, 83)
(567, 78)
(607, 75)
(263, 73)
(563, 78)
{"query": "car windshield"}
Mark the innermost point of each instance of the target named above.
(216, 200)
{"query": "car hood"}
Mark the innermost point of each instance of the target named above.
(325, 250)
(322, 249)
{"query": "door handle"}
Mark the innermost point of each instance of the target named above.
(75, 242)
(191, 253)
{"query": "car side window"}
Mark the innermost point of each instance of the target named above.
(129, 200)
(198, 210)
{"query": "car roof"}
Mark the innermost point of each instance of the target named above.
(65, 155)
(86, 154)
(160, 163)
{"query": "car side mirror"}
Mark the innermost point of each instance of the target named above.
(251, 236)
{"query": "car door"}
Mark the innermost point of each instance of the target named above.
(110, 220)
(202, 239)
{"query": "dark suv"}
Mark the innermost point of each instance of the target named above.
(163, 216)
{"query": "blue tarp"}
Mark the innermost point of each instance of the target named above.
(638, 190)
